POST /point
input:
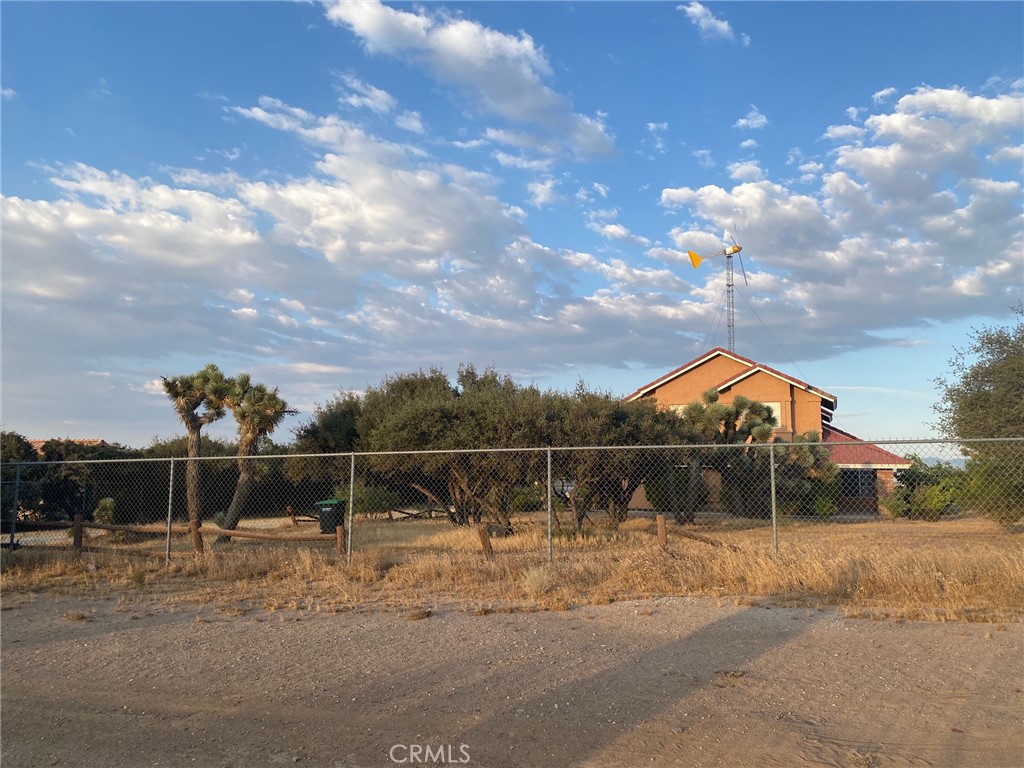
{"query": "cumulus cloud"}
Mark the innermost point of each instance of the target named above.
(616, 231)
(753, 120)
(709, 26)
(748, 170)
(844, 133)
(885, 230)
(500, 73)
(543, 192)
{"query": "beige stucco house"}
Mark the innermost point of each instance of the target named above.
(865, 470)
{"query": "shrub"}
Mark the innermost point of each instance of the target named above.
(370, 499)
(106, 512)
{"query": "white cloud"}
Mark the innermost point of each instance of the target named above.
(541, 165)
(749, 144)
(543, 192)
(655, 141)
(1014, 155)
(241, 295)
(365, 96)
(753, 121)
(883, 95)
(748, 170)
(410, 121)
(586, 194)
(8, 93)
(844, 133)
(151, 387)
(617, 232)
(471, 144)
(500, 73)
(710, 27)
(810, 172)
(704, 158)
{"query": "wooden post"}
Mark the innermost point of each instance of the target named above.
(291, 513)
(339, 539)
(485, 541)
(77, 535)
(662, 532)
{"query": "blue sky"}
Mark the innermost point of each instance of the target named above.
(325, 194)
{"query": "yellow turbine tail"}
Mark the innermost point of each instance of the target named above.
(695, 259)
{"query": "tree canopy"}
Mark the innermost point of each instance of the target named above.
(984, 394)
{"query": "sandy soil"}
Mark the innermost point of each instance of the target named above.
(105, 682)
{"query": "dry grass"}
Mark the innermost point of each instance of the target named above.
(952, 570)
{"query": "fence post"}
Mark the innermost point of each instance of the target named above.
(775, 517)
(170, 507)
(76, 538)
(17, 501)
(662, 531)
(351, 509)
(551, 554)
(339, 539)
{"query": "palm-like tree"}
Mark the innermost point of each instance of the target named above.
(258, 411)
(743, 421)
(206, 390)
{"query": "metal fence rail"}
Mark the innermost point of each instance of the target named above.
(544, 498)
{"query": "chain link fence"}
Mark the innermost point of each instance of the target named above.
(539, 501)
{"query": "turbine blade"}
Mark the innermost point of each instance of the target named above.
(695, 258)
(744, 271)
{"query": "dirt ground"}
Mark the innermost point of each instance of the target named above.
(109, 681)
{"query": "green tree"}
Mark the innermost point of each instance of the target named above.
(198, 400)
(424, 411)
(924, 491)
(258, 411)
(746, 471)
(330, 430)
(983, 397)
(608, 479)
(15, 450)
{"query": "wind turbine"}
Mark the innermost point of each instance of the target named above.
(732, 250)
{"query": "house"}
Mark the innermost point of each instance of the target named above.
(865, 470)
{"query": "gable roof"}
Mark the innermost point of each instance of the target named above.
(849, 452)
(828, 401)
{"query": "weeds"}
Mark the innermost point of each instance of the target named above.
(965, 571)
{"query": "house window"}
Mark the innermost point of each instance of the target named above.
(777, 413)
(857, 483)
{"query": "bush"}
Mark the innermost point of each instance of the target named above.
(106, 512)
(370, 499)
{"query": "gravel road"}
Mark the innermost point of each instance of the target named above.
(103, 682)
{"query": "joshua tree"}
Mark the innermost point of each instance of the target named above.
(258, 411)
(206, 390)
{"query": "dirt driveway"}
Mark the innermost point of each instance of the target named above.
(689, 682)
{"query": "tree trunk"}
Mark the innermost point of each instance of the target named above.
(195, 519)
(242, 490)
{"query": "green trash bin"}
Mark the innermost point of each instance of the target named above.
(331, 513)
